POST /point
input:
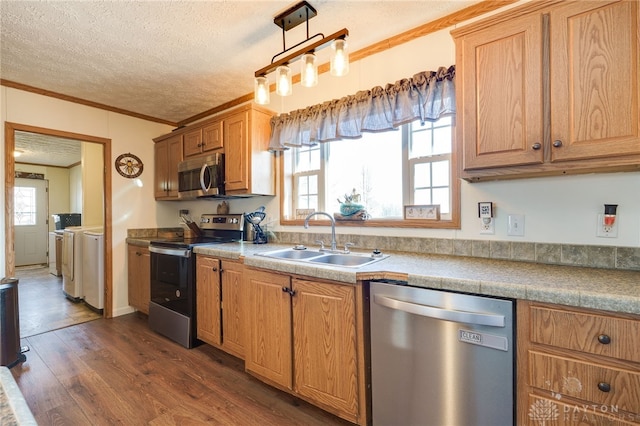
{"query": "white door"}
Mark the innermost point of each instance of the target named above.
(31, 209)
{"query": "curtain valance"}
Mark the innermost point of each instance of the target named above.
(426, 97)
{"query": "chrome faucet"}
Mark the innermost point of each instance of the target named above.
(334, 245)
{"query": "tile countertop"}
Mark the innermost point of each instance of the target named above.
(606, 289)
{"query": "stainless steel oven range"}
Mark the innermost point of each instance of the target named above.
(172, 310)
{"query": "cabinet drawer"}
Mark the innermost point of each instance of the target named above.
(596, 334)
(552, 412)
(582, 380)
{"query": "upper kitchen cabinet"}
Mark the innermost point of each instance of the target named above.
(249, 166)
(168, 153)
(203, 140)
(549, 88)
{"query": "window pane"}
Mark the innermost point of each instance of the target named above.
(422, 175)
(372, 166)
(441, 196)
(307, 159)
(422, 196)
(442, 140)
(421, 144)
(24, 206)
(441, 173)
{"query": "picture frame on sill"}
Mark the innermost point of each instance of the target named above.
(303, 213)
(422, 212)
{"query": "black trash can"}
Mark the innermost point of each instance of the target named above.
(10, 351)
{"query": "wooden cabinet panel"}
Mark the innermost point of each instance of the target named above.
(583, 380)
(208, 300)
(233, 308)
(325, 345)
(595, 80)
(237, 162)
(193, 143)
(139, 277)
(167, 155)
(597, 334)
(203, 140)
(502, 97)
(268, 351)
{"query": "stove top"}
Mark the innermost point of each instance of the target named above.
(215, 228)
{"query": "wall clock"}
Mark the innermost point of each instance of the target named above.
(129, 165)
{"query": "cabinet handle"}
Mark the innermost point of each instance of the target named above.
(604, 387)
(288, 290)
(604, 339)
(557, 143)
(138, 253)
(536, 146)
(214, 269)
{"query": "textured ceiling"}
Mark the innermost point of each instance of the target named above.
(46, 150)
(172, 60)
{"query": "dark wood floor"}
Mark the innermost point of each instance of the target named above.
(118, 371)
(42, 304)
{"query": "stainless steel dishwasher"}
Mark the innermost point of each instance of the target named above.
(440, 358)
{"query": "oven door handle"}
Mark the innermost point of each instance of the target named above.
(170, 251)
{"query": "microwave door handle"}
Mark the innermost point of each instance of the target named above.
(204, 186)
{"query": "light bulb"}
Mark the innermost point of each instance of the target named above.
(283, 81)
(339, 58)
(309, 71)
(261, 90)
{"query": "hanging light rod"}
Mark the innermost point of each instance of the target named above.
(290, 18)
(343, 33)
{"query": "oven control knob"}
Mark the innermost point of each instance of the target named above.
(234, 220)
(177, 293)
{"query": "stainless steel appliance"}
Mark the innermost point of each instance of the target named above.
(172, 309)
(440, 358)
(201, 177)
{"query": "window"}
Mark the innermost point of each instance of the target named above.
(24, 199)
(389, 170)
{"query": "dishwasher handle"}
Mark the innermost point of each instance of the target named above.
(440, 313)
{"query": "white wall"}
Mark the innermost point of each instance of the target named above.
(133, 207)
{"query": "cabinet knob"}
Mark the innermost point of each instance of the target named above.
(138, 253)
(214, 269)
(604, 339)
(557, 143)
(604, 387)
(536, 146)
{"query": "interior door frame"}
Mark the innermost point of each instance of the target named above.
(9, 183)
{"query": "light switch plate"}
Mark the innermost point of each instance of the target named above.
(515, 226)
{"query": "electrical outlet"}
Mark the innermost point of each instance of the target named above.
(515, 226)
(606, 231)
(487, 226)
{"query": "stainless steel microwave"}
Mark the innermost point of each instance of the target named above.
(201, 177)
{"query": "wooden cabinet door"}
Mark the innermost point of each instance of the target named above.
(237, 161)
(175, 157)
(233, 308)
(500, 85)
(208, 300)
(268, 315)
(193, 143)
(167, 155)
(595, 80)
(212, 137)
(139, 277)
(325, 345)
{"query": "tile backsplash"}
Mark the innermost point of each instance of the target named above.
(606, 257)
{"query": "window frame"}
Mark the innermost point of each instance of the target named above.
(287, 184)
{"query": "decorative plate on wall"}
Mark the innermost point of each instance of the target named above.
(129, 165)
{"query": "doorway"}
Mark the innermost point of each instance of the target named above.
(30, 203)
(10, 183)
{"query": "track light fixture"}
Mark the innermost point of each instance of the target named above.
(292, 17)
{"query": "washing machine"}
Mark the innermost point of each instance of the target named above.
(72, 252)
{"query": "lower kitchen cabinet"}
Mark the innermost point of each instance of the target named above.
(139, 277)
(220, 304)
(306, 337)
(208, 300)
(577, 366)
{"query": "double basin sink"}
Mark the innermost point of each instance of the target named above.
(352, 260)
